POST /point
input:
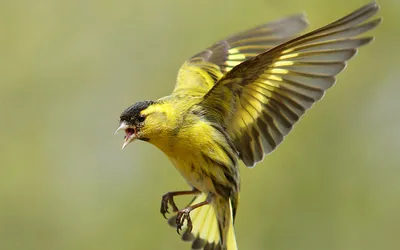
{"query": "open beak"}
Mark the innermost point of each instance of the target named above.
(130, 133)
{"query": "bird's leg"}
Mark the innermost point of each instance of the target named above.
(184, 215)
(169, 198)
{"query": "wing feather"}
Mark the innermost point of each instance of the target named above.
(260, 99)
(200, 73)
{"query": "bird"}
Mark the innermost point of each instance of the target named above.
(236, 101)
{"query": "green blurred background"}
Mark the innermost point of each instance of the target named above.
(69, 68)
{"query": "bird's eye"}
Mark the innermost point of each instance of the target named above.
(141, 118)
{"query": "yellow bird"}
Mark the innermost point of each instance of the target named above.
(237, 100)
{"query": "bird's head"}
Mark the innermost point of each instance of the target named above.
(135, 121)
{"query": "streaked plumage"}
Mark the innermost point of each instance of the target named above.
(237, 100)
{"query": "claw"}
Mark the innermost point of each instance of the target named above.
(180, 220)
(164, 205)
(167, 198)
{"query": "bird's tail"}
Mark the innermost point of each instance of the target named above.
(209, 230)
(225, 222)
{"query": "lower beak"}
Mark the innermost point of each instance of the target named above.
(129, 137)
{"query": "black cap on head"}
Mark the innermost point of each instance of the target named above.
(132, 114)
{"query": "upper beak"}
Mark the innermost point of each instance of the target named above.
(129, 137)
(122, 126)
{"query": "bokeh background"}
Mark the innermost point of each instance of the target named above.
(68, 69)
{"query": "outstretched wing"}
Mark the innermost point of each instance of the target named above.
(261, 99)
(201, 72)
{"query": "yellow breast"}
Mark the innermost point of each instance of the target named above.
(189, 150)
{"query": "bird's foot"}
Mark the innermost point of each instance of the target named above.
(183, 215)
(167, 198)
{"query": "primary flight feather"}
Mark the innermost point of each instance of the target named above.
(237, 100)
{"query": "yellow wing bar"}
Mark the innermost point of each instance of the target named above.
(204, 69)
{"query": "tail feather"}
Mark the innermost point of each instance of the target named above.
(231, 239)
(206, 233)
(225, 221)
